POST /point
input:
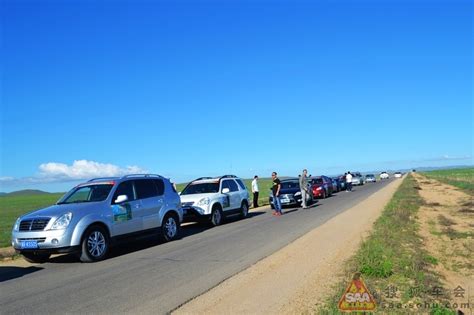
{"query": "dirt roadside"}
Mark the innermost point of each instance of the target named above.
(296, 278)
(447, 228)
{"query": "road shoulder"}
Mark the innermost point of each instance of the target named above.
(295, 279)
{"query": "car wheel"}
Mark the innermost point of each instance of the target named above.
(244, 210)
(324, 195)
(95, 244)
(169, 230)
(216, 216)
(36, 258)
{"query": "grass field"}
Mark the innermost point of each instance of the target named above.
(393, 257)
(11, 207)
(462, 178)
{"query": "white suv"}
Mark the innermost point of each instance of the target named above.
(213, 199)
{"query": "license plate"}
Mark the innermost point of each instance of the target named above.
(285, 200)
(29, 244)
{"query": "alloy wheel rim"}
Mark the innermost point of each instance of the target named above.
(217, 216)
(170, 227)
(96, 244)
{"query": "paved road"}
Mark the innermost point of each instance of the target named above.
(148, 277)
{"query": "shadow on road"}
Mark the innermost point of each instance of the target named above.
(9, 273)
(143, 242)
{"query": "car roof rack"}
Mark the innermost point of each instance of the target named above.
(227, 176)
(201, 178)
(142, 175)
(101, 178)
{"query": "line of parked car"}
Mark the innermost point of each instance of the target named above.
(96, 214)
(320, 187)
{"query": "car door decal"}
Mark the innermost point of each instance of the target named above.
(122, 212)
(225, 201)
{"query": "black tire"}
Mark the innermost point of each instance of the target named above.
(244, 210)
(169, 230)
(324, 195)
(95, 244)
(36, 258)
(217, 217)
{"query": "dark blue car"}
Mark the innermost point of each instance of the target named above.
(290, 193)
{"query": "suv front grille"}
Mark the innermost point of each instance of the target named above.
(37, 224)
(39, 239)
(187, 204)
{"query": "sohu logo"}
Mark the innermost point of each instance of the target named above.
(356, 297)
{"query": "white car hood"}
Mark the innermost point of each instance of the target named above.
(196, 197)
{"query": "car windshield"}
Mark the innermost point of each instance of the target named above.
(290, 184)
(202, 188)
(317, 181)
(369, 175)
(89, 193)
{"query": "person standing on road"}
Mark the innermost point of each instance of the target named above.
(304, 188)
(255, 191)
(276, 193)
(349, 181)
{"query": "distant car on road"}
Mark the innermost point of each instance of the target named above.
(321, 186)
(357, 180)
(290, 193)
(93, 214)
(397, 174)
(370, 178)
(384, 175)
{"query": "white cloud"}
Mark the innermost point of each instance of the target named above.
(53, 172)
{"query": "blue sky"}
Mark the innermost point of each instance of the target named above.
(195, 88)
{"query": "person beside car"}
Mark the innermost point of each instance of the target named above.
(304, 188)
(276, 185)
(349, 181)
(255, 191)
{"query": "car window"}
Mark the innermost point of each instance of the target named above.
(89, 193)
(290, 184)
(160, 186)
(233, 185)
(145, 188)
(125, 188)
(225, 184)
(202, 188)
(241, 184)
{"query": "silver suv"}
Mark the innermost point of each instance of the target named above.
(213, 198)
(89, 217)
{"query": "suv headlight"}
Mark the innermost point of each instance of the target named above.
(298, 193)
(203, 202)
(62, 222)
(16, 227)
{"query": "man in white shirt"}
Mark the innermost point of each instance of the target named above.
(349, 181)
(255, 191)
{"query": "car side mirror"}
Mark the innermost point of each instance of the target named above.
(225, 190)
(121, 199)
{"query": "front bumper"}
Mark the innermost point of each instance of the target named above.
(287, 200)
(193, 213)
(52, 240)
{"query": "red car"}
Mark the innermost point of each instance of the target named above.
(321, 187)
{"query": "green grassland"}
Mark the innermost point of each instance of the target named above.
(393, 256)
(11, 207)
(462, 178)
